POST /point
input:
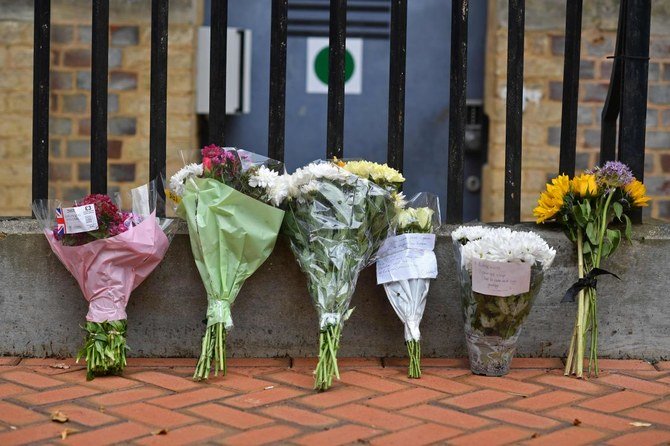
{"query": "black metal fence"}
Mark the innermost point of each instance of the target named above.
(625, 105)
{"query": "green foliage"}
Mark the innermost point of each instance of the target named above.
(105, 348)
(498, 316)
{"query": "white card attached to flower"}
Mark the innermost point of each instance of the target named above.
(78, 219)
(501, 279)
(407, 256)
(392, 245)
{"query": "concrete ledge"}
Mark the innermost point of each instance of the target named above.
(42, 307)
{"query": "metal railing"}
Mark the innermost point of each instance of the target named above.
(626, 100)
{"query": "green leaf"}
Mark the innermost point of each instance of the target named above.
(579, 216)
(607, 248)
(592, 233)
(629, 227)
(614, 235)
(586, 247)
(586, 210)
(618, 209)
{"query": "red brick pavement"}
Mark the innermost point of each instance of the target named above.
(270, 401)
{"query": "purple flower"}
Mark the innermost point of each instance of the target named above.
(613, 174)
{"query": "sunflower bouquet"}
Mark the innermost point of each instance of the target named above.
(589, 206)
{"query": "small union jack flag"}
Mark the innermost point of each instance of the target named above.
(60, 222)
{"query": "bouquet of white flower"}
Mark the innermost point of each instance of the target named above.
(501, 272)
(405, 266)
(335, 221)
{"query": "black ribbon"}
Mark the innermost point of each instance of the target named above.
(589, 281)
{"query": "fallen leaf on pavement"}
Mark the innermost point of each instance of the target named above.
(66, 432)
(576, 422)
(59, 417)
(160, 432)
(60, 365)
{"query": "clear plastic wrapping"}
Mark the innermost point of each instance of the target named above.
(413, 262)
(334, 231)
(408, 258)
(493, 322)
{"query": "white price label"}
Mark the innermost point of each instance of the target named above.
(500, 278)
(80, 219)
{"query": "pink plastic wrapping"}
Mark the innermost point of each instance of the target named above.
(109, 269)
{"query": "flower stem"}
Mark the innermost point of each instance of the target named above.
(414, 350)
(326, 369)
(105, 348)
(213, 348)
(579, 369)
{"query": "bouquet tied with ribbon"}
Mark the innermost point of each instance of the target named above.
(109, 252)
(406, 264)
(233, 228)
(589, 207)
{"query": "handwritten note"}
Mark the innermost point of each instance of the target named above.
(407, 264)
(500, 278)
(402, 242)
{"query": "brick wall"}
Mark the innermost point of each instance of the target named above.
(543, 73)
(128, 100)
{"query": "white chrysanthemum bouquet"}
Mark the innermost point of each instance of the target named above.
(501, 272)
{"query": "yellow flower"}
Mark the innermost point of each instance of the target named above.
(585, 185)
(551, 200)
(378, 173)
(637, 193)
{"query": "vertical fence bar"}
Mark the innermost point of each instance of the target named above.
(612, 107)
(158, 117)
(397, 77)
(99, 51)
(217, 72)
(573, 39)
(457, 113)
(337, 43)
(632, 126)
(277, 118)
(41, 57)
(514, 118)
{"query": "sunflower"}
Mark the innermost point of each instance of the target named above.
(585, 185)
(637, 193)
(551, 200)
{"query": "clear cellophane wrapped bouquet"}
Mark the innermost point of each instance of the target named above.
(109, 252)
(500, 274)
(233, 227)
(336, 221)
(406, 264)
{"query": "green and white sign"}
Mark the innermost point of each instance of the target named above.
(317, 66)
